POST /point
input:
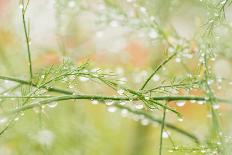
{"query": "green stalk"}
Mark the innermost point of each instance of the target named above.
(26, 33)
(162, 130)
(89, 97)
(157, 69)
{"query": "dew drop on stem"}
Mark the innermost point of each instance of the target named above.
(165, 134)
(144, 122)
(109, 102)
(180, 103)
(111, 109)
(21, 6)
(155, 78)
(216, 106)
(52, 104)
(180, 119)
(83, 79)
(94, 102)
(120, 91)
(200, 102)
(122, 103)
(3, 120)
(16, 119)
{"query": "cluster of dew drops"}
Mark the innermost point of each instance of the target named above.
(137, 77)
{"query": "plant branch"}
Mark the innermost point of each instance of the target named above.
(157, 69)
(69, 94)
(162, 130)
(26, 33)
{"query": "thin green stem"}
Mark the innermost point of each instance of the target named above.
(57, 90)
(26, 33)
(162, 130)
(104, 98)
(157, 69)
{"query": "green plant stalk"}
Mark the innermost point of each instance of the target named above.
(115, 98)
(162, 130)
(157, 69)
(150, 117)
(26, 33)
(138, 95)
(63, 98)
(100, 98)
(169, 98)
(216, 129)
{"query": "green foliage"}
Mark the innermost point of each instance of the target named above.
(149, 102)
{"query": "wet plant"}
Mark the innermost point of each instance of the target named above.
(149, 97)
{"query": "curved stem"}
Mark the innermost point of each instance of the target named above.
(148, 116)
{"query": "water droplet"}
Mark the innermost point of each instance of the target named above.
(200, 102)
(216, 106)
(3, 120)
(52, 104)
(139, 106)
(180, 119)
(152, 34)
(20, 6)
(122, 103)
(144, 122)
(147, 98)
(72, 77)
(209, 82)
(171, 50)
(165, 134)
(203, 151)
(193, 101)
(180, 103)
(119, 71)
(94, 102)
(112, 109)
(178, 60)
(16, 118)
(223, 2)
(95, 70)
(71, 86)
(155, 78)
(123, 80)
(83, 78)
(120, 91)
(109, 102)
